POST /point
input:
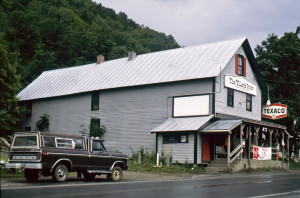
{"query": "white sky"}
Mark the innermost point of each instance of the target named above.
(193, 22)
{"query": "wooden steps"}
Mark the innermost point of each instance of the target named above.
(219, 165)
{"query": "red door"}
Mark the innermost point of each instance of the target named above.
(206, 141)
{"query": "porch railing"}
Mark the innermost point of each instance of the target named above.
(285, 158)
(234, 154)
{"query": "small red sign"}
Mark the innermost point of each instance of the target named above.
(255, 152)
(274, 111)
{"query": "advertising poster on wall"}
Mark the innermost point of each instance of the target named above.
(262, 153)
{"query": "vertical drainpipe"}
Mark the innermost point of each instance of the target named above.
(195, 147)
(214, 97)
(156, 144)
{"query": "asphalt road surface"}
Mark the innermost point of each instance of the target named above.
(270, 184)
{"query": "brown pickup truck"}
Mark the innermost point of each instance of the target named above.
(55, 155)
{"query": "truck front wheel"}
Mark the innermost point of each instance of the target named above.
(116, 174)
(60, 173)
(31, 175)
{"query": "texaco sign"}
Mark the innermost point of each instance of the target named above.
(274, 111)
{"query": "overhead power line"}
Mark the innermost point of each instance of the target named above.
(289, 82)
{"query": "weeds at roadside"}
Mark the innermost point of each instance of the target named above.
(148, 164)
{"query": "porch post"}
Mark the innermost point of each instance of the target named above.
(241, 138)
(256, 134)
(282, 148)
(288, 150)
(288, 145)
(276, 137)
(249, 136)
(270, 139)
(228, 150)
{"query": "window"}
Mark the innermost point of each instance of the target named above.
(175, 138)
(191, 106)
(49, 141)
(240, 65)
(79, 144)
(64, 143)
(24, 141)
(97, 146)
(27, 128)
(95, 101)
(230, 97)
(28, 109)
(95, 128)
(249, 102)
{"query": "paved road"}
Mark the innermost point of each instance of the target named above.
(279, 184)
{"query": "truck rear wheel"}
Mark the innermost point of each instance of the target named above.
(31, 175)
(60, 173)
(116, 174)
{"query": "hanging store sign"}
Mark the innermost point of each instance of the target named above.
(241, 84)
(262, 153)
(274, 111)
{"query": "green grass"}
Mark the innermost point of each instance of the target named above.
(294, 165)
(6, 173)
(173, 168)
(148, 164)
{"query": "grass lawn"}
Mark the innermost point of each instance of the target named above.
(295, 165)
(173, 168)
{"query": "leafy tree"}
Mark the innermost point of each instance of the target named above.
(279, 61)
(43, 123)
(62, 33)
(9, 86)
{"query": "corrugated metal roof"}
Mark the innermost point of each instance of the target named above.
(222, 126)
(180, 64)
(182, 124)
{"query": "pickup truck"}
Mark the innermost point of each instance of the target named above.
(49, 154)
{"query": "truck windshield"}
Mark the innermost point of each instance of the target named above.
(25, 141)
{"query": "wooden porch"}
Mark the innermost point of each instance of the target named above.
(237, 152)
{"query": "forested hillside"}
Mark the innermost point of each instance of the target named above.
(46, 35)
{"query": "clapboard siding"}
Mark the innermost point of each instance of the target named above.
(128, 114)
(239, 108)
(199, 149)
(180, 152)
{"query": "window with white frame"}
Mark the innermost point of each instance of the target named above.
(249, 102)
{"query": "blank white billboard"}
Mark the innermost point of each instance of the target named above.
(191, 106)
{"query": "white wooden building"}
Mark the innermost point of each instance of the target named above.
(187, 101)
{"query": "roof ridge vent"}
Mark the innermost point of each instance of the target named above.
(131, 55)
(100, 59)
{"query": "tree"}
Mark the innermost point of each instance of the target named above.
(61, 33)
(279, 61)
(43, 123)
(9, 86)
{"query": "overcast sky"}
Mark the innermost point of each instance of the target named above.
(193, 22)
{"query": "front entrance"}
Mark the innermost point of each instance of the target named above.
(207, 148)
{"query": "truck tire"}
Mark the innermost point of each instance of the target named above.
(31, 175)
(89, 176)
(116, 174)
(60, 173)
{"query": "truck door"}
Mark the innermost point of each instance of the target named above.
(100, 159)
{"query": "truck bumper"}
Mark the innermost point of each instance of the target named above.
(24, 165)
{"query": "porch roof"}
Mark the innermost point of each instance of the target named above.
(221, 126)
(182, 124)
